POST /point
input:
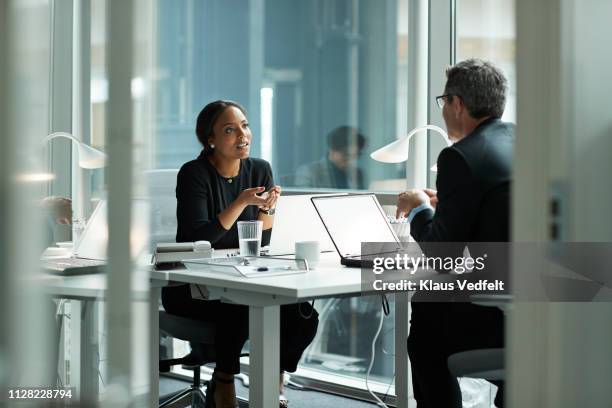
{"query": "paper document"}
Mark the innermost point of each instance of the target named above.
(248, 266)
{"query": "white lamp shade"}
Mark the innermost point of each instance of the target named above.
(89, 158)
(397, 151)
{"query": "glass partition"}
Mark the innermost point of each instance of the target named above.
(487, 29)
(324, 83)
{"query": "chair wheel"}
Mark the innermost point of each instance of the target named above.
(164, 367)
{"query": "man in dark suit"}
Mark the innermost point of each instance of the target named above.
(472, 204)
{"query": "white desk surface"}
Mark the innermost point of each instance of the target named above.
(86, 286)
(330, 278)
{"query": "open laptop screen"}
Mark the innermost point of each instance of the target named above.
(353, 219)
(94, 240)
(92, 244)
(296, 220)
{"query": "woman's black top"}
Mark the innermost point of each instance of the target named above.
(202, 193)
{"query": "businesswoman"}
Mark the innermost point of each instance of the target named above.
(222, 186)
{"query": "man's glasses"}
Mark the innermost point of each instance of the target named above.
(441, 100)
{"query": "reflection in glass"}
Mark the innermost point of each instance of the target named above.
(300, 68)
(338, 168)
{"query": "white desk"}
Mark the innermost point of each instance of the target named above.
(87, 289)
(265, 295)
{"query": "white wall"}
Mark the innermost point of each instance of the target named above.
(560, 354)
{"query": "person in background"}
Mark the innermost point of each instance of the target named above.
(471, 204)
(222, 186)
(57, 210)
(338, 169)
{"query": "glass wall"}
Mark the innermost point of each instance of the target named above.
(99, 92)
(324, 84)
(487, 29)
(314, 76)
(342, 346)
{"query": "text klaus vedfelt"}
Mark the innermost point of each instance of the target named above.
(458, 265)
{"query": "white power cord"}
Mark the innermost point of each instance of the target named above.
(379, 402)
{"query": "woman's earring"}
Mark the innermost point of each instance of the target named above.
(212, 146)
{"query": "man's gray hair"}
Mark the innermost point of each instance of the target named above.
(480, 84)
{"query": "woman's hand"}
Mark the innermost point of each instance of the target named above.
(250, 197)
(271, 197)
(247, 197)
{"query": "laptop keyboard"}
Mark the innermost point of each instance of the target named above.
(72, 266)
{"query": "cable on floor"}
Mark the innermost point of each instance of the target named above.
(380, 402)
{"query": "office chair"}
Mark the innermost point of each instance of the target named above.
(201, 335)
(487, 364)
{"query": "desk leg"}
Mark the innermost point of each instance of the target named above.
(264, 332)
(154, 295)
(402, 370)
(85, 359)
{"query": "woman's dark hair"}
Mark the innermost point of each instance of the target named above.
(207, 118)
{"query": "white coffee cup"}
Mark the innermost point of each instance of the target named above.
(308, 250)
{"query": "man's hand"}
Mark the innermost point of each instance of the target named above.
(433, 196)
(408, 200)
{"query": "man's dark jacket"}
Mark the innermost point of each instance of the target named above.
(473, 185)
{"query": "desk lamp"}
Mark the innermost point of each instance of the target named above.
(397, 151)
(88, 158)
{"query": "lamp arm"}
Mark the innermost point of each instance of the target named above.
(60, 134)
(397, 151)
(429, 127)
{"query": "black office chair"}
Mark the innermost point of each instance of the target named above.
(487, 364)
(201, 335)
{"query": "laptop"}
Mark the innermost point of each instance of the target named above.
(352, 219)
(295, 219)
(89, 254)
